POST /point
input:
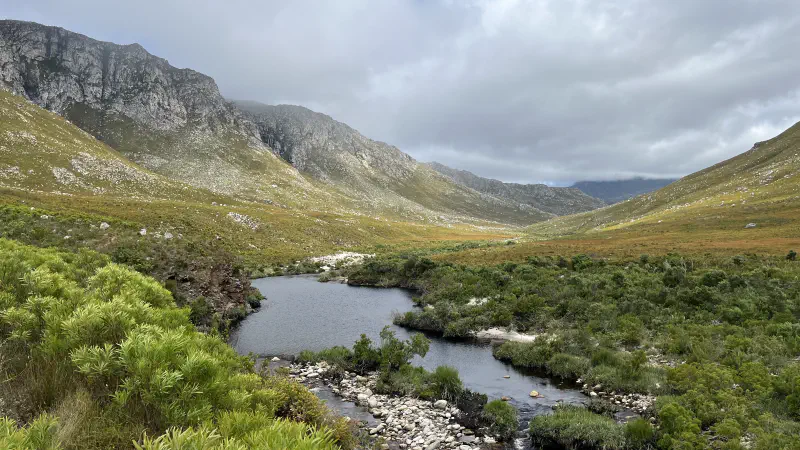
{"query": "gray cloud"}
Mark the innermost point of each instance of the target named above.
(540, 90)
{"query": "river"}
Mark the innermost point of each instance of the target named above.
(301, 313)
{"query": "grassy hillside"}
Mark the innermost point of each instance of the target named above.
(379, 177)
(706, 212)
(54, 168)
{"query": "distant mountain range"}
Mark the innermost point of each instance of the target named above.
(558, 201)
(618, 190)
(175, 123)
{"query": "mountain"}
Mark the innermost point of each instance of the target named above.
(759, 186)
(169, 120)
(378, 175)
(176, 123)
(618, 190)
(558, 201)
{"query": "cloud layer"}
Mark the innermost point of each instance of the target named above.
(529, 91)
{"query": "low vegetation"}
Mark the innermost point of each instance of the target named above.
(391, 358)
(716, 339)
(97, 355)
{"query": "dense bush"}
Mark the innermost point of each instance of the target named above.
(503, 419)
(107, 348)
(576, 427)
(730, 328)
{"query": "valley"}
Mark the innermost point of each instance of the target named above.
(169, 280)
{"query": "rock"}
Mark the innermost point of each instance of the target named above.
(534, 394)
(362, 399)
(168, 235)
(489, 440)
(505, 399)
(104, 226)
(143, 232)
(434, 445)
(275, 359)
(372, 402)
(506, 376)
(593, 394)
(750, 225)
(440, 404)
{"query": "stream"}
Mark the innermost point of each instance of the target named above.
(301, 313)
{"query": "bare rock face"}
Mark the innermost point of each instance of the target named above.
(325, 148)
(57, 69)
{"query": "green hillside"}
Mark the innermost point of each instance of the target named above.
(709, 211)
(749, 187)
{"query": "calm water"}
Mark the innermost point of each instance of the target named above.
(301, 313)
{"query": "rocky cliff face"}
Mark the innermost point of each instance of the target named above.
(57, 69)
(175, 122)
(555, 200)
(325, 148)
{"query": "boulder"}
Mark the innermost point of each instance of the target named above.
(534, 394)
(440, 404)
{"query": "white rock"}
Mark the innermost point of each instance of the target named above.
(143, 232)
(440, 404)
(275, 359)
(104, 226)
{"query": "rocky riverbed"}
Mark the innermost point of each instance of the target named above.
(641, 404)
(403, 422)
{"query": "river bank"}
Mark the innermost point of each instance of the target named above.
(403, 422)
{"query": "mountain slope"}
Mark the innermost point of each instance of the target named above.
(554, 200)
(619, 190)
(42, 152)
(175, 122)
(172, 121)
(378, 175)
(760, 186)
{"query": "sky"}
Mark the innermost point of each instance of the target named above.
(551, 91)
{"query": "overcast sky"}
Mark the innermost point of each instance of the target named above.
(527, 91)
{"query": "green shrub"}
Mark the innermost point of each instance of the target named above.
(576, 427)
(118, 335)
(502, 419)
(200, 311)
(446, 383)
(639, 434)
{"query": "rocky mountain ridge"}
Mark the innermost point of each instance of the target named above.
(176, 123)
(558, 201)
(57, 69)
(373, 172)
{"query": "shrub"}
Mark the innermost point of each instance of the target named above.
(567, 366)
(639, 434)
(502, 419)
(446, 383)
(118, 335)
(200, 311)
(576, 427)
(792, 255)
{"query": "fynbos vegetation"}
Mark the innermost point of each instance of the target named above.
(104, 359)
(716, 340)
